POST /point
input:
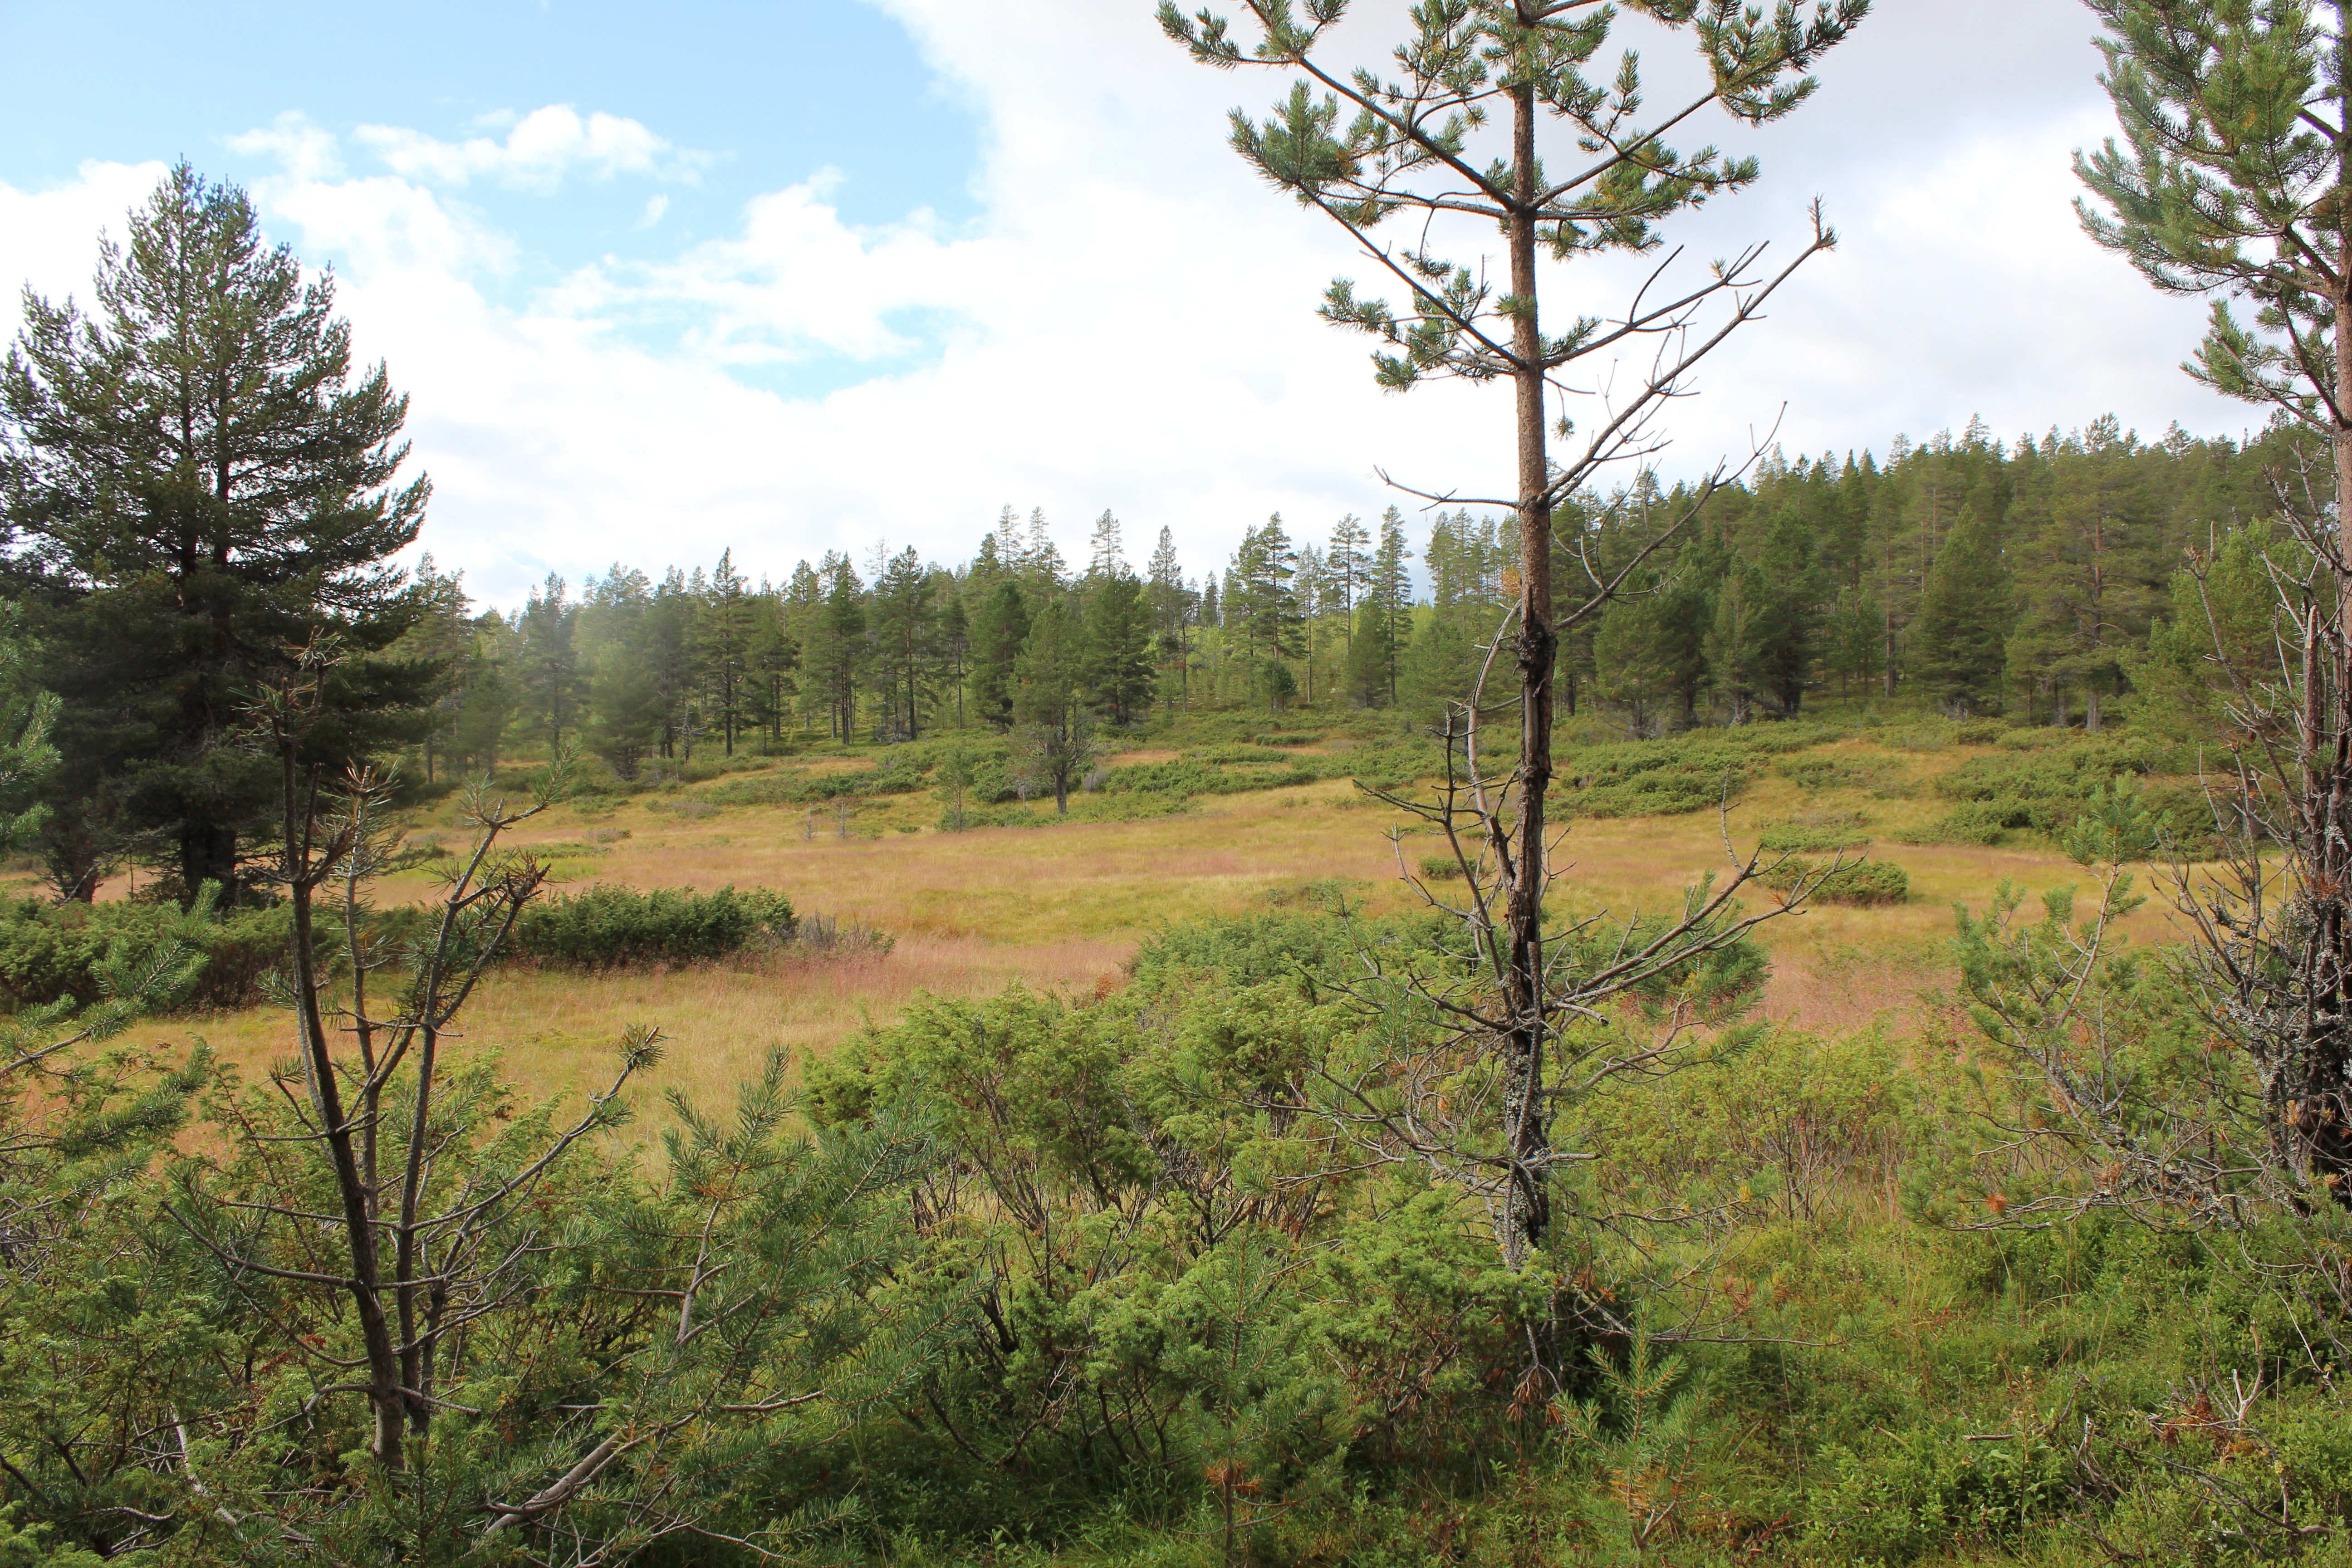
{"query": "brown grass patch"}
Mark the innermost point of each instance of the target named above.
(1063, 906)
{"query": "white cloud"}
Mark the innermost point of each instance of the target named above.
(47, 238)
(305, 151)
(655, 205)
(1129, 323)
(540, 150)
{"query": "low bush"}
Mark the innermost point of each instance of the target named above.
(1812, 774)
(1440, 865)
(1801, 839)
(1863, 882)
(610, 927)
(1982, 822)
(2045, 791)
(1691, 772)
(50, 952)
(900, 772)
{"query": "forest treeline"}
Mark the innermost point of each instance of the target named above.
(1986, 578)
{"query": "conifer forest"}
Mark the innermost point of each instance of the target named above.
(1791, 1011)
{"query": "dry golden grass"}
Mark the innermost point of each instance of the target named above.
(556, 1032)
(1063, 907)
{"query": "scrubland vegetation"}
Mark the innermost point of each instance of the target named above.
(1129, 1277)
(1658, 1049)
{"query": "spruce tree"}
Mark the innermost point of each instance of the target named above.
(1052, 734)
(1116, 657)
(1956, 651)
(1788, 635)
(1735, 644)
(200, 487)
(996, 644)
(552, 683)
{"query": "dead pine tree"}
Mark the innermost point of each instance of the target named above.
(1455, 144)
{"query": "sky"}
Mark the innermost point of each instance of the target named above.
(810, 275)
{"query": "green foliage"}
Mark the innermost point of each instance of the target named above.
(1897, 1502)
(1686, 772)
(900, 772)
(1861, 882)
(1796, 838)
(190, 528)
(608, 927)
(51, 953)
(2048, 791)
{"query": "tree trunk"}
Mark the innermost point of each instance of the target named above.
(2321, 1113)
(208, 854)
(1527, 1214)
(385, 1397)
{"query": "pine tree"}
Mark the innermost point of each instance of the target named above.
(441, 639)
(1389, 587)
(906, 618)
(803, 626)
(723, 645)
(1041, 560)
(2238, 116)
(489, 704)
(1012, 550)
(845, 650)
(1262, 605)
(625, 710)
(774, 657)
(1173, 609)
(198, 488)
(953, 647)
(1349, 565)
(669, 654)
(1482, 89)
(1106, 556)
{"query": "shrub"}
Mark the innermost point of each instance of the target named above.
(607, 927)
(49, 952)
(1812, 774)
(1912, 1496)
(1863, 882)
(1799, 838)
(901, 772)
(1982, 823)
(1440, 865)
(2045, 790)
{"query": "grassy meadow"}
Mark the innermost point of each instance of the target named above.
(1061, 905)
